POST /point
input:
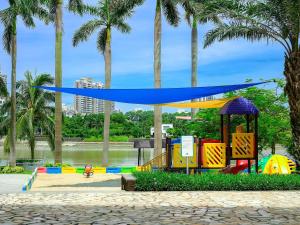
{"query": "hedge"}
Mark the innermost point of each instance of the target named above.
(56, 165)
(162, 181)
(11, 170)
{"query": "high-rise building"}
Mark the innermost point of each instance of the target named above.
(88, 105)
(4, 78)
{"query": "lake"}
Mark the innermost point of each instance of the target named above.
(80, 153)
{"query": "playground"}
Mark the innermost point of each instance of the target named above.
(174, 187)
(236, 152)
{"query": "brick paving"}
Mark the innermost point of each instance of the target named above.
(150, 208)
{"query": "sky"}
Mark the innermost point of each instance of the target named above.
(229, 62)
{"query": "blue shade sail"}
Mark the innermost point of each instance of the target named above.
(151, 95)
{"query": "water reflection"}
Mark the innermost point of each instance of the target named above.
(77, 154)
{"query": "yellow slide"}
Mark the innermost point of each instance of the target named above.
(279, 164)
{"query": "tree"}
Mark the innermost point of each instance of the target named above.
(274, 125)
(196, 11)
(108, 14)
(3, 88)
(169, 8)
(34, 112)
(270, 20)
(25, 10)
(56, 15)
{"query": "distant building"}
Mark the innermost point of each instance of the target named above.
(164, 129)
(208, 98)
(4, 77)
(88, 105)
(68, 110)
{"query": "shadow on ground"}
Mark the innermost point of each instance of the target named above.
(106, 183)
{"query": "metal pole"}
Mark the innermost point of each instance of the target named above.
(168, 151)
(248, 130)
(256, 143)
(187, 165)
(222, 128)
(228, 153)
(139, 156)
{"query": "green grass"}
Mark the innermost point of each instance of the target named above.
(56, 165)
(112, 139)
(161, 181)
(27, 172)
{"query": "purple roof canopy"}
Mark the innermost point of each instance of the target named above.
(239, 106)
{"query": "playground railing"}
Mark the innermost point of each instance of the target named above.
(158, 162)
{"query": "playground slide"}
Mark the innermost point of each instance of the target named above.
(240, 166)
(273, 164)
(278, 164)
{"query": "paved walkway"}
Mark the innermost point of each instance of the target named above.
(151, 208)
(12, 183)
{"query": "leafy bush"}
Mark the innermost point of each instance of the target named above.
(162, 181)
(112, 138)
(9, 169)
(27, 160)
(57, 165)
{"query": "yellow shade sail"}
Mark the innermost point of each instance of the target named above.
(218, 103)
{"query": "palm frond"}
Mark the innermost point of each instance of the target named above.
(122, 26)
(3, 88)
(123, 8)
(6, 143)
(170, 11)
(235, 30)
(101, 40)
(86, 30)
(76, 6)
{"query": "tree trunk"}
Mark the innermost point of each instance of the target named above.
(13, 135)
(194, 52)
(107, 104)
(273, 147)
(32, 147)
(292, 89)
(58, 83)
(157, 80)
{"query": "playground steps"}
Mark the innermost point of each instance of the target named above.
(156, 163)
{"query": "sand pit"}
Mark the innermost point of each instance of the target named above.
(77, 182)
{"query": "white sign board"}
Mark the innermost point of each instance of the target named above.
(187, 146)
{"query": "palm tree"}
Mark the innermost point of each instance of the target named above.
(270, 20)
(3, 88)
(25, 10)
(33, 111)
(108, 14)
(196, 12)
(56, 13)
(169, 8)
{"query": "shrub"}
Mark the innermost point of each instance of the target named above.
(27, 160)
(9, 169)
(162, 181)
(112, 138)
(57, 165)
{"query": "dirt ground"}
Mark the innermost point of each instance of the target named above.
(76, 182)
